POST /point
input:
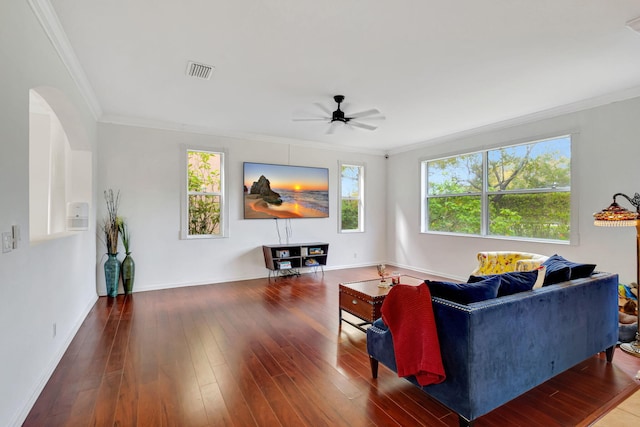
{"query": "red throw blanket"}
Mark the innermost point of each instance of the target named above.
(408, 312)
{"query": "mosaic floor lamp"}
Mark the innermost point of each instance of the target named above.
(617, 216)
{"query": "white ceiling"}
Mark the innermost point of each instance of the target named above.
(433, 68)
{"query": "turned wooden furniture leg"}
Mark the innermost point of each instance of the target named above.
(609, 353)
(374, 367)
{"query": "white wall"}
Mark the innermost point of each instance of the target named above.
(54, 281)
(606, 154)
(146, 166)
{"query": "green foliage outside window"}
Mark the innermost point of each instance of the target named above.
(455, 214)
(204, 203)
(527, 188)
(539, 215)
(349, 215)
(351, 181)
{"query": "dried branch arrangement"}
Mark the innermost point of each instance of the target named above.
(110, 225)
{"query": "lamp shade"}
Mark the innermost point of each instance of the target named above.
(616, 216)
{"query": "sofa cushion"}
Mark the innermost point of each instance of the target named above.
(465, 293)
(578, 270)
(557, 267)
(556, 272)
(512, 282)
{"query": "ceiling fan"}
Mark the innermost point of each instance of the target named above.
(338, 116)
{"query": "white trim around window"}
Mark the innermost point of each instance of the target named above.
(351, 194)
(219, 193)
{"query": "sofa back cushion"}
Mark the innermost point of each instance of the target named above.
(465, 293)
(513, 282)
(560, 269)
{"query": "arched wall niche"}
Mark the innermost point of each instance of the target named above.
(67, 114)
(60, 165)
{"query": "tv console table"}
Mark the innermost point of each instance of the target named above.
(287, 259)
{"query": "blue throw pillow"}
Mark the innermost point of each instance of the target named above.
(511, 282)
(578, 270)
(557, 271)
(465, 293)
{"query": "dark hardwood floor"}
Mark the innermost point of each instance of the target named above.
(271, 353)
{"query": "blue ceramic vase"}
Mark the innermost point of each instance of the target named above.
(112, 274)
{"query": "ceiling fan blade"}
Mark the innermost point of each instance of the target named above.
(332, 128)
(362, 125)
(371, 112)
(374, 118)
(323, 108)
(311, 119)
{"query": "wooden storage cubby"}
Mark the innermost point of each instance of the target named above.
(296, 254)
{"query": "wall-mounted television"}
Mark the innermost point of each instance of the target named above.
(285, 191)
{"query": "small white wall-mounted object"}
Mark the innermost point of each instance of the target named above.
(7, 242)
(77, 216)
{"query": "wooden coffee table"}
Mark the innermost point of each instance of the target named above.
(364, 299)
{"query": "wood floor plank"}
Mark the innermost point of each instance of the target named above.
(233, 397)
(278, 401)
(216, 409)
(151, 405)
(82, 408)
(107, 399)
(311, 414)
(260, 407)
(340, 406)
(126, 411)
(199, 359)
(267, 353)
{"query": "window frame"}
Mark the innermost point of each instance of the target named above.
(485, 194)
(361, 199)
(185, 193)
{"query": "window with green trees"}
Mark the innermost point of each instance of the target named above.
(204, 193)
(520, 191)
(351, 198)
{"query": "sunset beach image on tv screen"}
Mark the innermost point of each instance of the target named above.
(284, 191)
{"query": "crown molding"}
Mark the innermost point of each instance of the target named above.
(52, 27)
(573, 107)
(244, 136)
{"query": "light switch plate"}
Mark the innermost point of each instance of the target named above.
(7, 242)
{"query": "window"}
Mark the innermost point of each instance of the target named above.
(205, 194)
(519, 191)
(351, 198)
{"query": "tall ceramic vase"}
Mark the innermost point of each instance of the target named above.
(112, 274)
(128, 273)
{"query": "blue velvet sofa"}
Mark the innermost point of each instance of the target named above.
(496, 350)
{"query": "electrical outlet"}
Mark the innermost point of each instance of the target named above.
(55, 327)
(7, 242)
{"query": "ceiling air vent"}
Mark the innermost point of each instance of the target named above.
(199, 71)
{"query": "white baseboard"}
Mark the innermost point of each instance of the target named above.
(21, 415)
